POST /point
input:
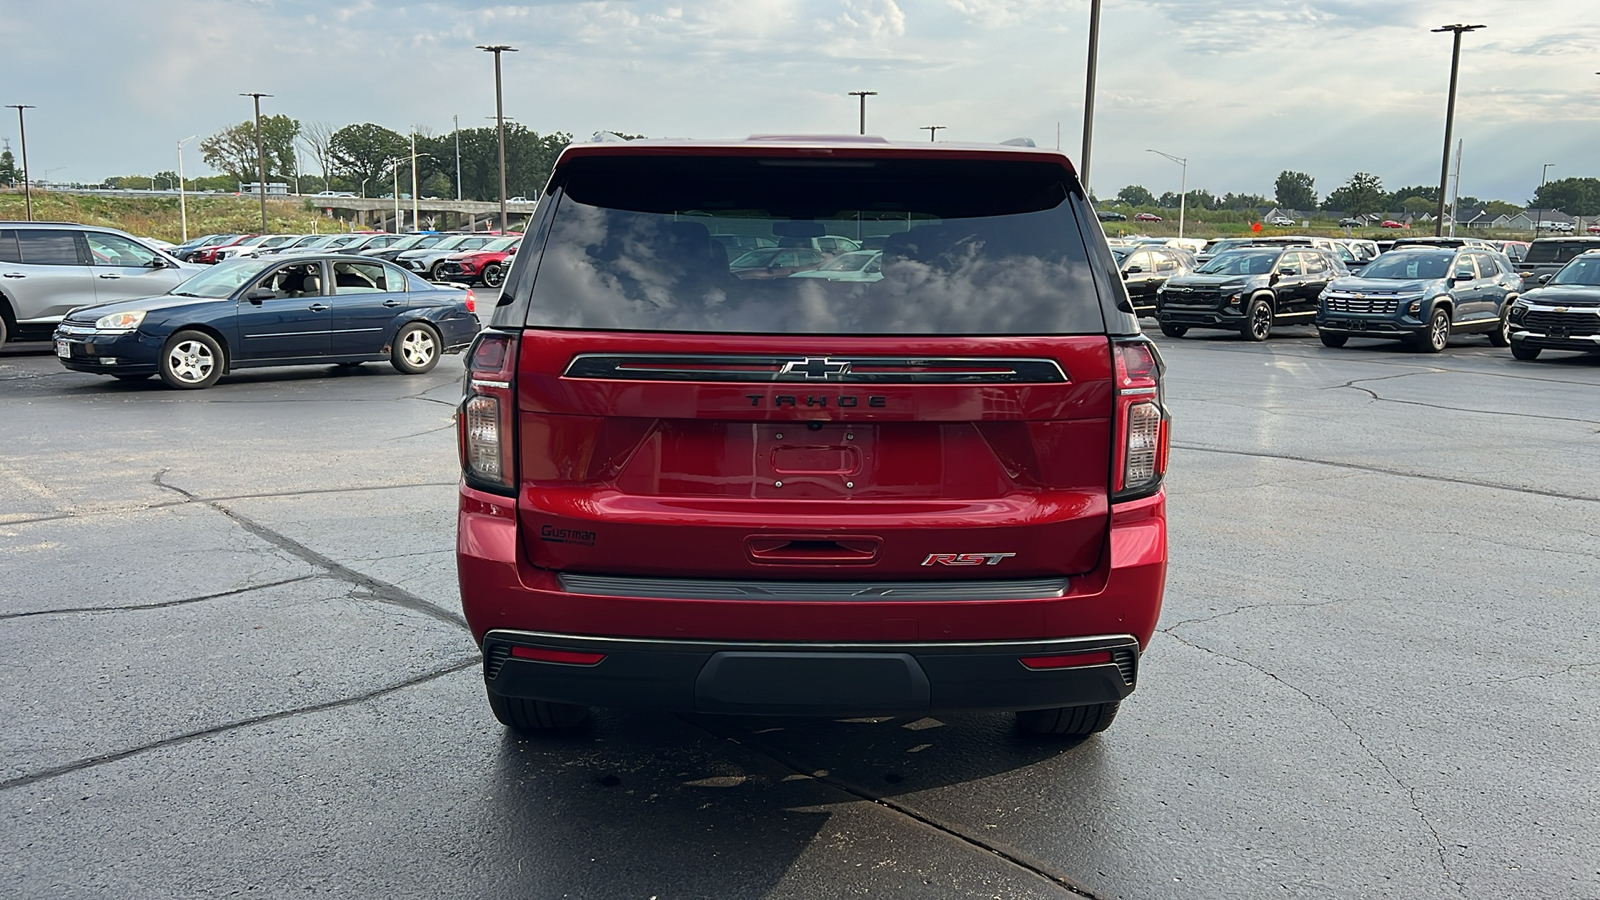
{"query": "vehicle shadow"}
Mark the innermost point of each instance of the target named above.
(638, 804)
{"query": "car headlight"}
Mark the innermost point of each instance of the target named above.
(121, 321)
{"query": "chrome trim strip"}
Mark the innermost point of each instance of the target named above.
(813, 591)
(502, 385)
(761, 368)
(1084, 642)
(1127, 392)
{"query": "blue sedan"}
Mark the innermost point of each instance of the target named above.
(306, 310)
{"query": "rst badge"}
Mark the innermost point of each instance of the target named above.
(965, 559)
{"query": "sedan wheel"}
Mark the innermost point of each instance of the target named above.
(191, 360)
(416, 349)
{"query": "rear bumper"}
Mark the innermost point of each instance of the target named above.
(744, 678)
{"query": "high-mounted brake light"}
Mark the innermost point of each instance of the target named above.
(484, 419)
(1143, 425)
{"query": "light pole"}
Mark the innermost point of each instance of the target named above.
(863, 95)
(1088, 94)
(1449, 120)
(22, 132)
(933, 131)
(1455, 188)
(1183, 185)
(1538, 220)
(415, 217)
(500, 120)
(183, 206)
(261, 159)
(457, 120)
(394, 168)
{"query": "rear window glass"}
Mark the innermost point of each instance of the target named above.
(1557, 251)
(737, 244)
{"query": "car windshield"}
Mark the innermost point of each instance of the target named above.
(1120, 253)
(497, 246)
(219, 281)
(1583, 270)
(1241, 262)
(1409, 266)
(969, 247)
(447, 242)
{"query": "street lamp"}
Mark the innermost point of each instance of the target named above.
(183, 206)
(500, 120)
(1543, 174)
(933, 131)
(1449, 120)
(27, 186)
(1183, 185)
(863, 95)
(261, 159)
(1088, 94)
(457, 121)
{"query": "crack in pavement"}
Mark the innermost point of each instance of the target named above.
(104, 758)
(1541, 675)
(1411, 792)
(1383, 470)
(1253, 606)
(161, 605)
(1353, 385)
(378, 589)
(948, 829)
(137, 508)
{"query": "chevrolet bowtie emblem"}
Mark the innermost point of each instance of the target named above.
(815, 368)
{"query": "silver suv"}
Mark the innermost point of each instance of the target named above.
(47, 268)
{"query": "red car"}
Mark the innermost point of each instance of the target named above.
(487, 264)
(208, 256)
(1147, 217)
(1594, 229)
(1390, 223)
(936, 491)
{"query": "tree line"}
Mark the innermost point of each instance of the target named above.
(1364, 194)
(369, 159)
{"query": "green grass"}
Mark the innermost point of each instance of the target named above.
(157, 217)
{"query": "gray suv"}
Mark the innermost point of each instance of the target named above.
(47, 268)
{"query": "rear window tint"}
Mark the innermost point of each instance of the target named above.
(673, 244)
(1557, 251)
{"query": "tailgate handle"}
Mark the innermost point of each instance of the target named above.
(812, 549)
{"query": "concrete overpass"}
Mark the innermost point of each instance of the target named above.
(365, 212)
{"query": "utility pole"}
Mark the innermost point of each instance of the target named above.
(261, 159)
(1088, 94)
(933, 131)
(1183, 185)
(457, 120)
(22, 132)
(1449, 120)
(183, 206)
(863, 95)
(500, 120)
(1455, 187)
(1539, 218)
(415, 218)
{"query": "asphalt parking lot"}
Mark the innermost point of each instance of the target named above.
(234, 663)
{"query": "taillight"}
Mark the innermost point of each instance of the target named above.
(1143, 425)
(484, 420)
(472, 302)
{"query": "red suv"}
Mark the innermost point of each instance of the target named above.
(935, 491)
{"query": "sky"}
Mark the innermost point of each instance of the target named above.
(1242, 88)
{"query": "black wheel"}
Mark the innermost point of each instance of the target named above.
(522, 714)
(1074, 721)
(494, 275)
(1258, 320)
(1329, 339)
(416, 348)
(191, 360)
(5, 328)
(1501, 335)
(1171, 330)
(1523, 351)
(434, 274)
(130, 376)
(1438, 335)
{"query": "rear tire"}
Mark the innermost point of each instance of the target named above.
(1333, 340)
(191, 360)
(416, 348)
(535, 716)
(1257, 320)
(1501, 335)
(1072, 721)
(1523, 351)
(1176, 331)
(5, 327)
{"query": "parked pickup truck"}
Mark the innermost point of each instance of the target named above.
(1546, 256)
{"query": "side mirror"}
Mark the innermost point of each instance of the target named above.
(1544, 279)
(1461, 279)
(259, 294)
(1133, 270)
